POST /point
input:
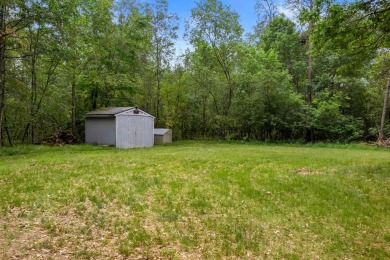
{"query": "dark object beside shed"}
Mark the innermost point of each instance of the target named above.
(162, 136)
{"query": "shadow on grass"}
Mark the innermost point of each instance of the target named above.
(41, 149)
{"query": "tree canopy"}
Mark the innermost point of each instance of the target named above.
(322, 77)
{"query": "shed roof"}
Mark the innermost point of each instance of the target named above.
(114, 111)
(108, 112)
(161, 131)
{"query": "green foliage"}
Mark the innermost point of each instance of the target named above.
(65, 58)
(281, 36)
(214, 23)
(163, 34)
(358, 28)
(330, 123)
(268, 106)
(215, 33)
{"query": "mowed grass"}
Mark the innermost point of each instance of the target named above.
(195, 200)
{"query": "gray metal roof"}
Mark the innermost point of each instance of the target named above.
(160, 131)
(108, 112)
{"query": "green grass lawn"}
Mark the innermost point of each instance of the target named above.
(195, 200)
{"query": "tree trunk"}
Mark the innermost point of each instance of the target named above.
(2, 69)
(158, 101)
(7, 131)
(204, 117)
(384, 111)
(158, 79)
(33, 94)
(74, 106)
(309, 95)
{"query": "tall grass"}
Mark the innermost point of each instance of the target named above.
(196, 200)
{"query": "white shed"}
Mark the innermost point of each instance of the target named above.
(122, 127)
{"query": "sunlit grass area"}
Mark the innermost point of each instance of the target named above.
(195, 200)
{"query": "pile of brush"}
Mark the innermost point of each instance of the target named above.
(383, 143)
(60, 138)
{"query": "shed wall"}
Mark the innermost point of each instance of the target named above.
(100, 131)
(165, 138)
(158, 139)
(134, 131)
(168, 137)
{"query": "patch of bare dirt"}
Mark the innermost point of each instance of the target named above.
(304, 171)
(60, 236)
(90, 234)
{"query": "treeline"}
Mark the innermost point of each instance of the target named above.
(322, 77)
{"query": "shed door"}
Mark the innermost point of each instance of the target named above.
(136, 132)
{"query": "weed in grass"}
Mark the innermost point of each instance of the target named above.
(86, 231)
(61, 242)
(169, 253)
(189, 241)
(46, 244)
(200, 205)
(118, 226)
(11, 235)
(124, 248)
(136, 239)
(49, 225)
(86, 253)
(169, 215)
(96, 201)
(139, 237)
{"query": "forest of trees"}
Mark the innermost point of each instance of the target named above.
(321, 77)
